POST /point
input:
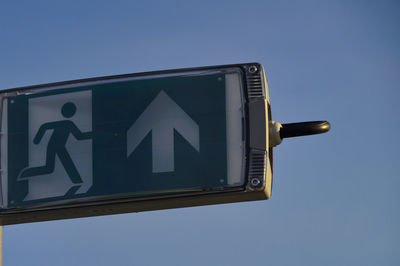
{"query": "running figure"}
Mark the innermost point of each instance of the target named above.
(56, 146)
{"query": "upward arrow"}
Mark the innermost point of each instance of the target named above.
(161, 117)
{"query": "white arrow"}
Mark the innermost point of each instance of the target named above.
(161, 117)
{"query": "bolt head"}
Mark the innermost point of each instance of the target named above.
(253, 69)
(255, 182)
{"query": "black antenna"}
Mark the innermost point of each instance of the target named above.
(303, 129)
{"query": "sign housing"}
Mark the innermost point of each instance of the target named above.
(135, 142)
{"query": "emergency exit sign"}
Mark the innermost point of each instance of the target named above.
(140, 137)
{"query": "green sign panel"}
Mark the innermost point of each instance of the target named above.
(109, 140)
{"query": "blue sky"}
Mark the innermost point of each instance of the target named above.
(335, 197)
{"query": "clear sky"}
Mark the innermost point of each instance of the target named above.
(335, 197)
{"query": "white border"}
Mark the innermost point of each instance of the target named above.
(234, 130)
(3, 154)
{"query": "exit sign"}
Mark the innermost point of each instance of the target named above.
(134, 142)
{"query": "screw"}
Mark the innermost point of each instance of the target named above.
(253, 69)
(255, 182)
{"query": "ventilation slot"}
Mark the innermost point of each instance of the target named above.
(254, 86)
(257, 165)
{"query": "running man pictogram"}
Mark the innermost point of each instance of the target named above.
(56, 145)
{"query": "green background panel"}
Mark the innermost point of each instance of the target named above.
(115, 107)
